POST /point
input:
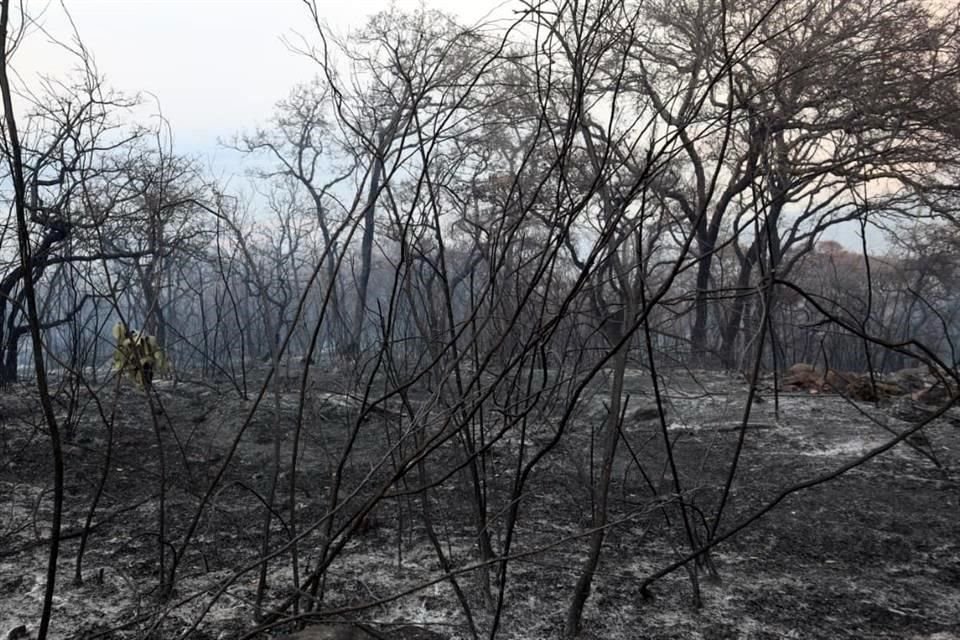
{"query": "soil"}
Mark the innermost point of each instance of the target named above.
(874, 553)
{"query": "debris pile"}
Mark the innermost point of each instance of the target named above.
(918, 383)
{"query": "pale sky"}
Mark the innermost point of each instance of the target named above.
(217, 67)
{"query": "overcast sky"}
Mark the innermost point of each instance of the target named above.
(216, 67)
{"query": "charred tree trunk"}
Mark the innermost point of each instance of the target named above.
(698, 334)
(601, 494)
(11, 311)
(729, 354)
(366, 253)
